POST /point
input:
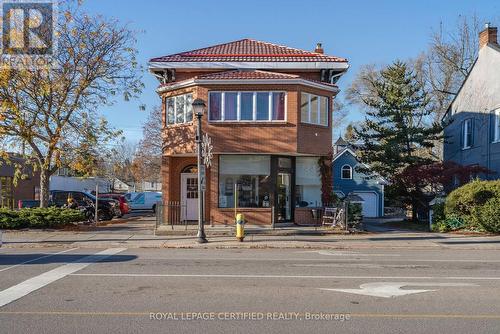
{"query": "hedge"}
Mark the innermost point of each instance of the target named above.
(477, 205)
(38, 218)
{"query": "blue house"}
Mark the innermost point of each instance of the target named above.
(472, 134)
(347, 180)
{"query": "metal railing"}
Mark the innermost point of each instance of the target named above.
(174, 215)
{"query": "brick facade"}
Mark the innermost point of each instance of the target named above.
(290, 138)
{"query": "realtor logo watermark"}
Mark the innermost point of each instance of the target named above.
(28, 34)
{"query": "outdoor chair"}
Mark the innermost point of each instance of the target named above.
(329, 216)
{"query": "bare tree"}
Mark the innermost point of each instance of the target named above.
(448, 60)
(147, 160)
(49, 108)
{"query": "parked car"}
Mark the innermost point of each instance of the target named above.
(107, 207)
(124, 206)
(143, 200)
(27, 203)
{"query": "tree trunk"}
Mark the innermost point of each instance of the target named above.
(414, 210)
(44, 188)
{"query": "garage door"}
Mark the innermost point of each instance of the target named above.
(370, 204)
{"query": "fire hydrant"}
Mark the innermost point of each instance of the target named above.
(240, 229)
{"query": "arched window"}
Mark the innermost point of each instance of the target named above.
(346, 172)
(191, 169)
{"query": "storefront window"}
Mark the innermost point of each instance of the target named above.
(249, 176)
(308, 182)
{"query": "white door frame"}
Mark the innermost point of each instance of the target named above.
(189, 207)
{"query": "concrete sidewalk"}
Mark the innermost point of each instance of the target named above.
(105, 239)
(140, 233)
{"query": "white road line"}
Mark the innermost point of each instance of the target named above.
(291, 276)
(242, 259)
(33, 260)
(24, 288)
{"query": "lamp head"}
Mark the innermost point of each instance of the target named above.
(199, 107)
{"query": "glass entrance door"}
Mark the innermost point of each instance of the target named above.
(284, 197)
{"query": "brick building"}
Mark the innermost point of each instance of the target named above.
(269, 117)
(26, 188)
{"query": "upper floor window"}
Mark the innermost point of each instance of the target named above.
(346, 172)
(246, 106)
(467, 133)
(314, 109)
(179, 109)
(496, 133)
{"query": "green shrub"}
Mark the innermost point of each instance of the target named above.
(38, 218)
(355, 211)
(468, 201)
(488, 215)
(438, 213)
(450, 224)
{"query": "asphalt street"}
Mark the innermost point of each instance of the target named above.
(121, 290)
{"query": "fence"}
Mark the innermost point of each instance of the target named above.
(173, 216)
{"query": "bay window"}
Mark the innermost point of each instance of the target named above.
(314, 109)
(179, 109)
(246, 106)
(248, 176)
(307, 182)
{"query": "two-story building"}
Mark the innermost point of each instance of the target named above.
(349, 179)
(472, 136)
(269, 111)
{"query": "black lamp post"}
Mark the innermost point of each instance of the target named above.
(199, 109)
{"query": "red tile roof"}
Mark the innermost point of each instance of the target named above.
(241, 74)
(248, 75)
(248, 50)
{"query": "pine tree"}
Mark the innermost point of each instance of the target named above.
(396, 133)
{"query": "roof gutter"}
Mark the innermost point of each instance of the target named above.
(298, 81)
(340, 66)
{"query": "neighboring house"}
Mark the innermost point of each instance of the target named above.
(269, 118)
(73, 183)
(473, 134)
(348, 180)
(25, 189)
(118, 186)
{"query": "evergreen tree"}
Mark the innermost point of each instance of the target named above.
(396, 132)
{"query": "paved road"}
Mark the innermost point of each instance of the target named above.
(78, 290)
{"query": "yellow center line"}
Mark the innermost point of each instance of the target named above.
(352, 315)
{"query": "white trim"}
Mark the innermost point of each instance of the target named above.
(496, 135)
(336, 192)
(362, 163)
(342, 172)
(184, 112)
(194, 82)
(318, 111)
(465, 144)
(250, 65)
(254, 107)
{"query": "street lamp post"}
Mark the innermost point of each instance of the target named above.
(199, 109)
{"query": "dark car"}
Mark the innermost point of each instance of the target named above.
(124, 207)
(107, 207)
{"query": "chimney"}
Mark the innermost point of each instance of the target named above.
(319, 48)
(488, 35)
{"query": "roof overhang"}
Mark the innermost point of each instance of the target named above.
(196, 82)
(340, 66)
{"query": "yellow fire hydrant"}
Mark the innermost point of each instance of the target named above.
(240, 229)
